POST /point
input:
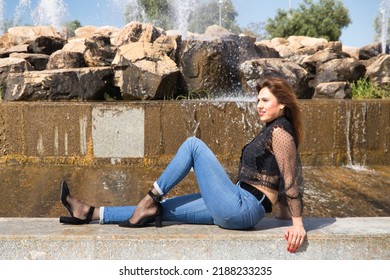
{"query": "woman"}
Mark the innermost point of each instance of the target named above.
(269, 171)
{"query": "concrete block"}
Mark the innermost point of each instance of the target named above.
(118, 131)
(327, 239)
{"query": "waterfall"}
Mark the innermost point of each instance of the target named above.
(183, 10)
(23, 5)
(1, 17)
(50, 12)
(384, 10)
(355, 133)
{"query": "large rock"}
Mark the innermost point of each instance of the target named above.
(210, 67)
(370, 51)
(144, 71)
(65, 60)
(339, 70)
(334, 90)
(138, 32)
(24, 34)
(38, 61)
(11, 65)
(379, 70)
(253, 71)
(90, 31)
(62, 84)
(46, 44)
(75, 45)
(99, 51)
(296, 45)
(22, 48)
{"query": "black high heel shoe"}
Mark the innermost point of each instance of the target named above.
(157, 217)
(72, 220)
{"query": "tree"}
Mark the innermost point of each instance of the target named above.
(324, 19)
(156, 12)
(71, 26)
(256, 30)
(207, 14)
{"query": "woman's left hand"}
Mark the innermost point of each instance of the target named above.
(295, 235)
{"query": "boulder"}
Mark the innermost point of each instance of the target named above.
(98, 51)
(12, 65)
(65, 60)
(62, 84)
(339, 70)
(75, 45)
(144, 71)
(210, 67)
(46, 44)
(37, 61)
(379, 70)
(333, 90)
(138, 32)
(370, 51)
(253, 71)
(24, 34)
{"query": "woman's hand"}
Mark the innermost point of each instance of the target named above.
(295, 235)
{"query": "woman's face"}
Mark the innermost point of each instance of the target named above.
(268, 106)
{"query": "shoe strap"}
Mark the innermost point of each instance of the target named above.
(90, 214)
(156, 198)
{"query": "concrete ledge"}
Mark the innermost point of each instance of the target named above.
(328, 239)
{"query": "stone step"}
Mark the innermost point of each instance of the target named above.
(327, 239)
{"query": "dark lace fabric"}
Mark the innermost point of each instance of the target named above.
(271, 159)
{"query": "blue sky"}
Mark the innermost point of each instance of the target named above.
(109, 12)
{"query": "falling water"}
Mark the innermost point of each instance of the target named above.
(1, 17)
(50, 12)
(183, 10)
(23, 5)
(384, 11)
(134, 11)
(355, 160)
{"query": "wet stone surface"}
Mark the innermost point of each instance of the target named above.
(33, 190)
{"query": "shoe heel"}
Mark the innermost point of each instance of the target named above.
(66, 220)
(158, 221)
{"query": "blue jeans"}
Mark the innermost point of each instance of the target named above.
(219, 202)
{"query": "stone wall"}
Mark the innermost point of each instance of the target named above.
(149, 133)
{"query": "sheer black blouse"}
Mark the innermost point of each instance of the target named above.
(271, 159)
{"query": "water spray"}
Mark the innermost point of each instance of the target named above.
(384, 10)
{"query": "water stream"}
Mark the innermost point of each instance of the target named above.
(384, 11)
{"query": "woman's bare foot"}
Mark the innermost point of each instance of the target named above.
(80, 209)
(145, 208)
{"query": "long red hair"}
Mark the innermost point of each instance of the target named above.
(285, 95)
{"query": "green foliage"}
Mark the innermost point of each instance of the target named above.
(365, 89)
(323, 19)
(71, 26)
(207, 14)
(256, 30)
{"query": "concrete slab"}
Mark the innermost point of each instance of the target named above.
(118, 131)
(328, 239)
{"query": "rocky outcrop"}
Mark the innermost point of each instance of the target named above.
(144, 71)
(60, 84)
(378, 70)
(333, 90)
(253, 71)
(143, 62)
